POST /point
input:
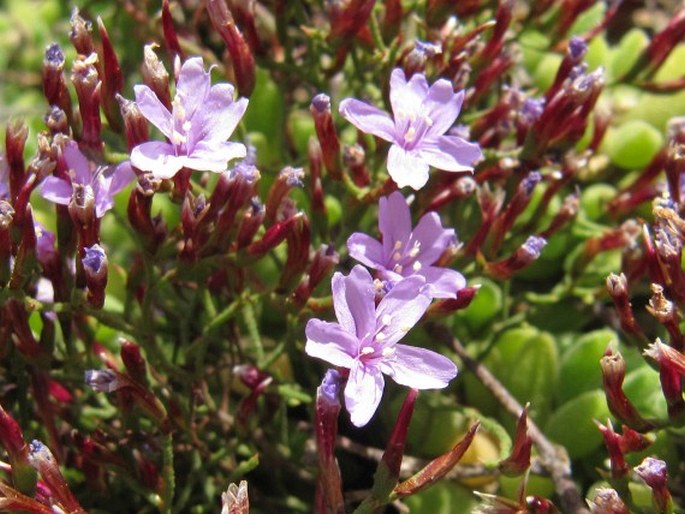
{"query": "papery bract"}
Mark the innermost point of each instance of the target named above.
(404, 252)
(202, 118)
(422, 116)
(103, 182)
(365, 338)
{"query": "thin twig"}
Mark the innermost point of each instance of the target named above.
(554, 458)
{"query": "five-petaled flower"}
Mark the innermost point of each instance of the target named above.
(202, 118)
(422, 116)
(98, 183)
(365, 338)
(403, 252)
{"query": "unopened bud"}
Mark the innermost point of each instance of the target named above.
(170, 37)
(95, 269)
(613, 374)
(326, 134)
(134, 361)
(326, 419)
(240, 52)
(44, 462)
(249, 225)
(155, 75)
(87, 84)
(16, 134)
(57, 121)
(523, 256)
(81, 34)
(653, 472)
(288, 179)
(354, 158)
(607, 501)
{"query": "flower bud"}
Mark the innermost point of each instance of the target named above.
(273, 236)
(95, 269)
(16, 134)
(665, 312)
(515, 207)
(607, 501)
(44, 462)
(613, 374)
(617, 286)
(57, 121)
(415, 61)
(347, 19)
(112, 81)
(81, 34)
(12, 439)
(326, 134)
(249, 225)
(134, 361)
(135, 124)
(54, 84)
(354, 158)
(523, 256)
(170, 37)
(87, 83)
(576, 50)
(326, 420)
(612, 440)
(82, 205)
(325, 259)
(240, 52)
(155, 75)
(299, 244)
(653, 472)
(394, 451)
(287, 179)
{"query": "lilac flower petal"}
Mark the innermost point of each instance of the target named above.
(433, 239)
(153, 109)
(219, 115)
(330, 342)
(442, 106)
(360, 299)
(419, 368)
(119, 177)
(342, 310)
(406, 97)
(214, 155)
(366, 250)
(368, 118)
(402, 308)
(77, 162)
(394, 221)
(193, 86)
(407, 169)
(103, 200)
(158, 158)
(442, 282)
(450, 153)
(56, 190)
(363, 393)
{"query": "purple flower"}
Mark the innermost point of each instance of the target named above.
(202, 118)
(422, 115)
(365, 340)
(99, 182)
(404, 252)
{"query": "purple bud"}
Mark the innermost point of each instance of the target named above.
(330, 387)
(293, 176)
(533, 246)
(577, 48)
(95, 259)
(428, 48)
(607, 501)
(103, 380)
(532, 108)
(321, 103)
(529, 183)
(54, 56)
(653, 472)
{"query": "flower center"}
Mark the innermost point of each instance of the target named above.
(404, 257)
